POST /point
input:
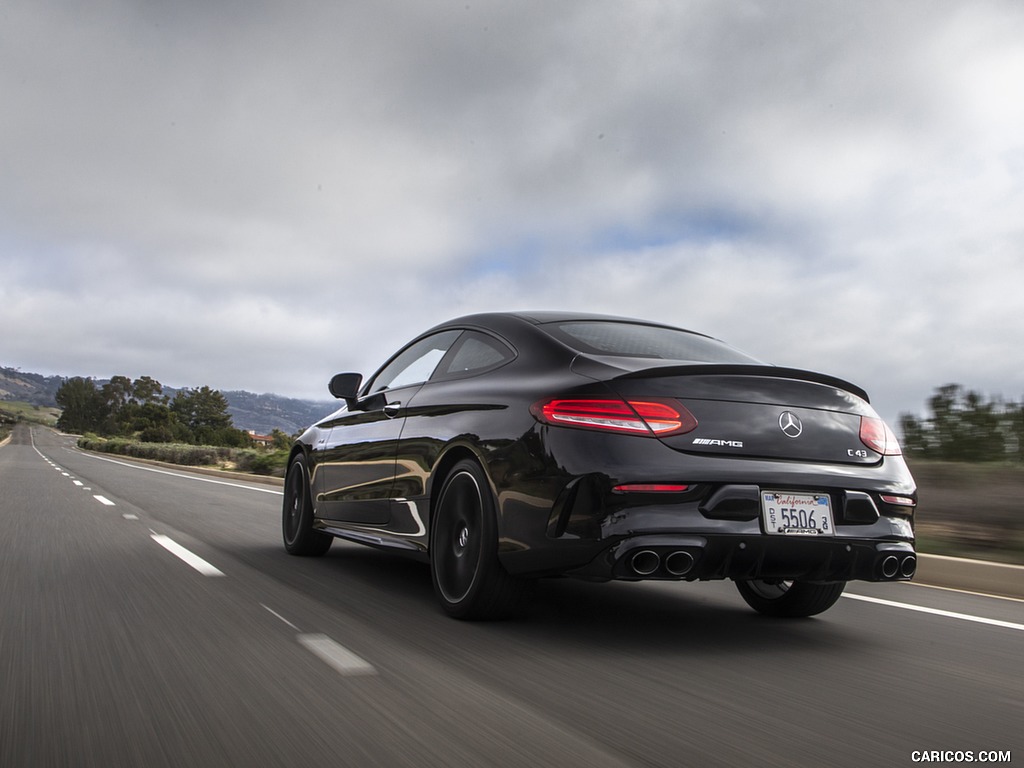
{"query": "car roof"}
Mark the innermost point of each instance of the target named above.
(540, 317)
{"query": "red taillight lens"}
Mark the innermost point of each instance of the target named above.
(877, 436)
(900, 501)
(634, 417)
(650, 488)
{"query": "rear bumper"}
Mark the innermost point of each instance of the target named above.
(691, 558)
(698, 536)
(585, 527)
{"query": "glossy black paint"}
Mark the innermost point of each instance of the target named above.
(377, 464)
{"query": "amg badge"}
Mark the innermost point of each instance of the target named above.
(724, 443)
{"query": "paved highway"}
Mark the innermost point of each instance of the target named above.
(150, 617)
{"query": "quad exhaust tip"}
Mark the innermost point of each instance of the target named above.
(679, 563)
(646, 562)
(894, 567)
(908, 567)
(890, 566)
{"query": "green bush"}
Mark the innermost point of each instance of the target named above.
(255, 461)
(172, 453)
(261, 462)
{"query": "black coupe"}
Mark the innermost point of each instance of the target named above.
(505, 447)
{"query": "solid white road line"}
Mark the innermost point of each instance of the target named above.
(937, 612)
(196, 478)
(188, 557)
(962, 591)
(338, 656)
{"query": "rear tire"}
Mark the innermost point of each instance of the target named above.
(469, 581)
(789, 599)
(300, 538)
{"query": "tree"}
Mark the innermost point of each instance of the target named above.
(282, 440)
(82, 404)
(204, 412)
(139, 409)
(147, 390)
(964, 426)
(117, 394)
(915, 436)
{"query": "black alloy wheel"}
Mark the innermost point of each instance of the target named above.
(300, 538)
(469, 581)
(789, 599)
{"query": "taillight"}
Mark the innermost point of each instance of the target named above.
(650, 488)
(877, 436)
(653, 417)
(899, 501)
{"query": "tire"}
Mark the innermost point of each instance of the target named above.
(469, 581)
(300, 538)
(790, 599)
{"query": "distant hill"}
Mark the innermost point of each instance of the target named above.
(259, 413)
(28, 387)
(265, 413)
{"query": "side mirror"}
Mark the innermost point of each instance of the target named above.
(345, 386)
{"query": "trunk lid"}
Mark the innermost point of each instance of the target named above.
(759, 411)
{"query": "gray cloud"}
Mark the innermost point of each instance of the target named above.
(253, 195)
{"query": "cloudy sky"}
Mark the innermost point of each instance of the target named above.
(255, 195)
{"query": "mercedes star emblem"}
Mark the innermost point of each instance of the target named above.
(790, 424)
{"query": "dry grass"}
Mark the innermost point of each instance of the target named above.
(971, 510)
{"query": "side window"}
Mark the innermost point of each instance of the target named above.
(473, 353)
(414, 364)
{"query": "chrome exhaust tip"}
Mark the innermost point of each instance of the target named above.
(679, 563)
(645, 562)
(890, 566)
(908, 567)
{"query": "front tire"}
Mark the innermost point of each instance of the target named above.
(300, 538)
(469, 581)
(789, 599)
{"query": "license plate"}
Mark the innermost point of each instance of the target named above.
(796, 514)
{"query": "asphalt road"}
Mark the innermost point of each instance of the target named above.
(150, 617)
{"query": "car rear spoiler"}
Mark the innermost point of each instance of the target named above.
(732, 369)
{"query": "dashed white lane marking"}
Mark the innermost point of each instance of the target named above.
(104, 501)
(186, 556)
(340, 658)
(79, 483)
(277, 615)
(937, 612)
(130, 517)
(336, 655)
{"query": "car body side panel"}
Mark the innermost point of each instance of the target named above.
(484, 417)
(356, 462)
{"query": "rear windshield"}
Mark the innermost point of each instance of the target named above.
(600, 337)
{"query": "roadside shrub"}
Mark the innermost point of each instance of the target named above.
(172, 453)
(261, 462)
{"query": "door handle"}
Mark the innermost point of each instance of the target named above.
(391, 409)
